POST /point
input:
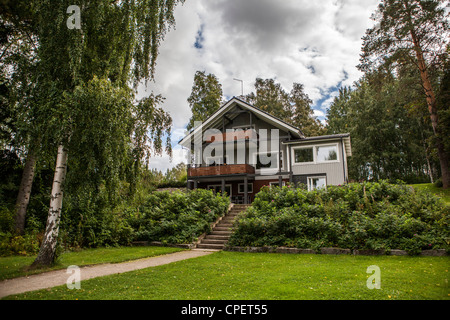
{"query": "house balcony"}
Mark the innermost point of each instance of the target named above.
(219, 170)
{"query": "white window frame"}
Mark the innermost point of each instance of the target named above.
(250, 187)
(277, 183)
(315, 150)
(315, 177)
(327, 145)
(303, 163)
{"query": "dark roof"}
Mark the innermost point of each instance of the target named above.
(330, 136)
(292, 128)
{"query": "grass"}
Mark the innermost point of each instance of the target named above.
(16, 266)
(431, 188)
(268, 276)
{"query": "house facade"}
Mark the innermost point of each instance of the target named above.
(240, 149)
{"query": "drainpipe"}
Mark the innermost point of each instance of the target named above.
(343, 160)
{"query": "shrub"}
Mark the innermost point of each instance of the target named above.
(27, 244)
(6, 220)
(356, 216)
(178, 217)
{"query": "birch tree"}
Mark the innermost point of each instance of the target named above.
(115, 48)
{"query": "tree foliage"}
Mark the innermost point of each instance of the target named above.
(292, 107)
(416, 33)
(81, 100)
(205, 98)
(389, 141)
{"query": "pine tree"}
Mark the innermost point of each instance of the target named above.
(414, 32)
(302, 112)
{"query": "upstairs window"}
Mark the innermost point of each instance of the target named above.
(304, 155)
(315, 154)
(326, 153)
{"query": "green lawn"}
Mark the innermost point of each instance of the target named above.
(16, 266)
(270, 276)
(430, 187)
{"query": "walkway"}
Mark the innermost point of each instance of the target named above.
(59, 277)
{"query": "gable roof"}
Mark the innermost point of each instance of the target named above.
(233, 103)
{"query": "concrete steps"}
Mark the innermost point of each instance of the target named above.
(221, 233)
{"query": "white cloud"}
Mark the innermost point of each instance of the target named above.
(318, 113)
(164, 162)
(316, 43)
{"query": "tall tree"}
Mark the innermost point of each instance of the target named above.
(337, 113)
(272, 98)
(293, 107)
(205, 97)
(416, 32)
(387, 138)
(18, 56)
(90, 68)
(302, 112)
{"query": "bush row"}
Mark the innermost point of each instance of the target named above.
(177, 217)
(354, 216)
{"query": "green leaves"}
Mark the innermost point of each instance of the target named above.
(391, 39)
(388, 140)
(205, 98)
(293, 107)
(355, 216)
(178, 217)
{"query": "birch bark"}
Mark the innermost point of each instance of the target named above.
(47, 251)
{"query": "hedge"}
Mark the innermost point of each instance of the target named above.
(178, 217)
(354, 216)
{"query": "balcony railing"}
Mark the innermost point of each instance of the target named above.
(225, 169)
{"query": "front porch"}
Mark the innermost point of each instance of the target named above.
(241, 188)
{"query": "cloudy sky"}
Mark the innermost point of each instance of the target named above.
(316, 43)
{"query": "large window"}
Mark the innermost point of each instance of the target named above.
(326, 153)
(315, 154)
(303, 155)
(317, 183)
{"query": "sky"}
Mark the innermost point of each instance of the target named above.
(315, 43)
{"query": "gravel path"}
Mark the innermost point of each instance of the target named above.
(60, 277)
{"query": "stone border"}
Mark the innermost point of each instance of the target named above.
(365, 252)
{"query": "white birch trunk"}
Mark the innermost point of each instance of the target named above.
(47, 251)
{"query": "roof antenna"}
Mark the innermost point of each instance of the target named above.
(242, 86)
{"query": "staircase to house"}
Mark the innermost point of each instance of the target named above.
(222, 230)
